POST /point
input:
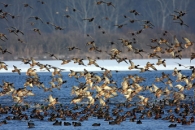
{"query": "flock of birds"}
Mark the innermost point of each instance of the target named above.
(92, 97)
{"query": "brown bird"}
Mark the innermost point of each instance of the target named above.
(37, 30)
(52, 55)
(72, 48)
(12, 31)
(3, 37)
(21, 41)
(169, 82)
(139, 31)
(182, 23)
(133, 33)
(133, 20)
(27, 5)
(153, 40)
(161, 41)
(129, 46)
(25, 60)
(3, 15)
(170, 51)
(32, 72)
(165, 33)
(181, 65)
(158, 79)
(17, 99)
(115, 51)
(4, 51)
(188, 42)
(143, 70)
(56, 27)
(148, 22)
(177, 43)
(133, 66)
(158, 91)
(3, 65)
(94, 48)
(5, 5)
(124, 41)
(120, 59)
(181, 13)
(152, 47)
(120, 26)
(91, 43)
(151, 55)
(13, 16)
(52, 101)
(43, 66)
(135, 12)
(89, 36)
(109, 4)
(180, 87)
(17, 30)
(143, 100)
(99, 2)
(79, 61)
(89, 19)
(64, 61)
(67, 16)
(137, 51)
(145, 26)
(175, 17)
(92, 61)
(57, 71)
(16, 70)
(36, 18)
(160, 61)
(150, 65)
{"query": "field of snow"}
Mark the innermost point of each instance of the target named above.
(109, 64)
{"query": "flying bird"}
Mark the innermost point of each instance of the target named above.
(27, 5)
(72, 48)
(52, 55)
(188, 42)
(89, 19)
(16, 70)
(3, 51)
(36, 18)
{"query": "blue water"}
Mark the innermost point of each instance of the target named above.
(64, 96)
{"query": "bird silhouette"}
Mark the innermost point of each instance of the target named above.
(89, 19)
(27, 5)
(36, 18)
(52, 55)
(5, 4)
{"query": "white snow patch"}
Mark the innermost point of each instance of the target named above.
(108, 64)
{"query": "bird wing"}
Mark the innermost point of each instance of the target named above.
(175, 40)
(51, 99)
(186, 40)
(141, 97)
(131, 62)
(154, 68)
(56, 57)
(14, 67)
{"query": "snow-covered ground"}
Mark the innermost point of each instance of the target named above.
(109, 64)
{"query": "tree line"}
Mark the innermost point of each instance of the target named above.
(64, 24)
